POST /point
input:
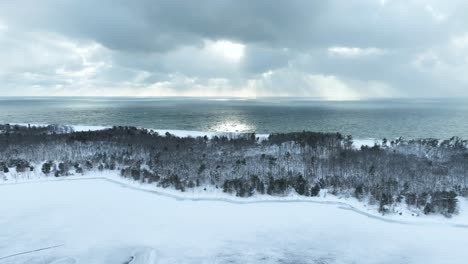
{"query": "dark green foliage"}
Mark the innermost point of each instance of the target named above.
(201, 169)
(190, 184)
(239, 187)
(21, 165)
(411, 199)
(428, 208)
(384, 201)
(244, 188)
(315, 191)
(300, 185)
(89, 165)
(173, 181)
(359, 191)
(135, 174)
(46, 167)
(277, 186)
(257, 184)
(308, 138)
(61, 170)
(444, 202)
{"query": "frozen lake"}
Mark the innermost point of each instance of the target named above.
(96, 221)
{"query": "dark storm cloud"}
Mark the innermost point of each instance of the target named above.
(166, 24)
(162, 25)
(406, 45)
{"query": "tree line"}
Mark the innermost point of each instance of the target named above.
(427, 174)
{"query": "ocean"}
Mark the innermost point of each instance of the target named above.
(366, 119)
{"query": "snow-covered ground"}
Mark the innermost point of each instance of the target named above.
(358, 143)
(105, 219)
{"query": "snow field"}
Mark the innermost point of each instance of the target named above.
(94, 220)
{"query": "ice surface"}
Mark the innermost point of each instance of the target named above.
(94, 220)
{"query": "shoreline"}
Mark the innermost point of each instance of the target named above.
(357, 143)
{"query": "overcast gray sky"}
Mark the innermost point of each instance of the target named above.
(332, 49)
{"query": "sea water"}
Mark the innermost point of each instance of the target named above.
(377, 119)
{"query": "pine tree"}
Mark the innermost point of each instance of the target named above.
(46, 167)
(315, 191)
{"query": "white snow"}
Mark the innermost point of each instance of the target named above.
(88, 128)
(106, 219)
(357, 143)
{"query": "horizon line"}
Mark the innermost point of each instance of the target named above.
(234, 97)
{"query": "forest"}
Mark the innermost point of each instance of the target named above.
(427, 174)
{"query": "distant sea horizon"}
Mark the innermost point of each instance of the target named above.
(377, 118)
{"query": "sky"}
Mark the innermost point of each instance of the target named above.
(334, 49)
